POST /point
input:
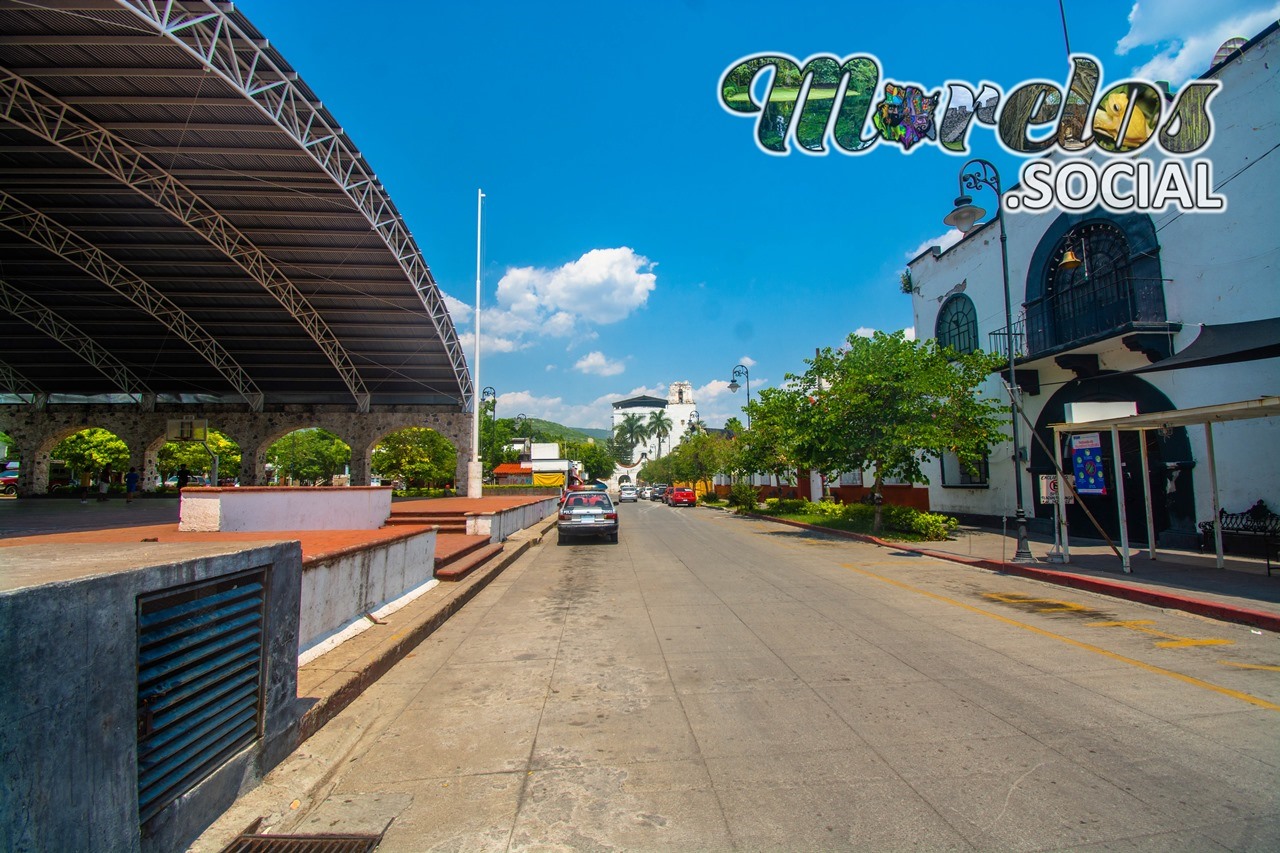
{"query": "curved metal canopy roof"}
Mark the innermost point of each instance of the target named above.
(181, 217)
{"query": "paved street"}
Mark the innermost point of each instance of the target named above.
(719, 683)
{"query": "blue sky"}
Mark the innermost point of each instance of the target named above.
(634, 235)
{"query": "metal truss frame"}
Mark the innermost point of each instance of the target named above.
(16, 382)
(44, 115)
(214, 39)
(55, 326)
(28, 222)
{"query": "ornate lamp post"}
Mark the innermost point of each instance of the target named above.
(740, 371)
(963, 217)
(695, 422)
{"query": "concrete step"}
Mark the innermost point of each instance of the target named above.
(446, 525)
(465, 563)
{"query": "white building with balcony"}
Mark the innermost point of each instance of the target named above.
(1165, 311)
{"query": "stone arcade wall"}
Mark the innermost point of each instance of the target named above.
(37, 430)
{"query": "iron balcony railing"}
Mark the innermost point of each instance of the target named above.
(998, 341)
(1081, 314)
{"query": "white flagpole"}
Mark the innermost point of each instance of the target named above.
(475, 472)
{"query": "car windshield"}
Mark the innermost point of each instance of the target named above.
(587, 501)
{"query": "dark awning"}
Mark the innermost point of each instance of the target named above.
(1225, 343)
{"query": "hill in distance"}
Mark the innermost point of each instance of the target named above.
(553, 430)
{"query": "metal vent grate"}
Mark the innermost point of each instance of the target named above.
(199, 682)
(303, 844)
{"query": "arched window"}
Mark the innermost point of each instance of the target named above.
(958, 325)
(1089, 290)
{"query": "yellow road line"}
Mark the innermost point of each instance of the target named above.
(1158, 670)
(1267, 667)
(1171, 641)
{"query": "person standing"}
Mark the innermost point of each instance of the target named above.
(184, 477)
(104, 483)
(130, 485)
(86, 483)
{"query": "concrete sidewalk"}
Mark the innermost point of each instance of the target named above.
(1240, 592)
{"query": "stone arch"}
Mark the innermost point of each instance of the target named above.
(1169, 456)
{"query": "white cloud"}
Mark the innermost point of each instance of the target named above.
(1187, 33)
(909, 333)
(747, 361)
(943, 241)
(601, 287)
(864, 332)
(596, 414)
(490, 344)
(596, 363)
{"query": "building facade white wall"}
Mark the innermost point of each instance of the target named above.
(1213, 268)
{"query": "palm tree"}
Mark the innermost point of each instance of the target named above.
(659, 426)
(629, 432)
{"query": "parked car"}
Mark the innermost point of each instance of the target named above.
(683, 497)
(587, 514)
(658, 489)
(646, 492)
(666, 494)
(628, 492)
(9, 478)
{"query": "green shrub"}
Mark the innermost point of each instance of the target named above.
(744, 496)
(927, 525)
(785, 506)
(709, 498)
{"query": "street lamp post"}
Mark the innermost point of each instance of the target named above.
(694, 420)
(741, 371)
(489, 393)
(963, 217)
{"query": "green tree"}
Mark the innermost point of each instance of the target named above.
(418, 456)
(659, 427)
(767, 447)
(629, 432)
(891, 403)
(597, 462)
(90, 449)
(175, 454)
(309, 456)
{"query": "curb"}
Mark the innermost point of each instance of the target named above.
(1115, 589)
(395, 647)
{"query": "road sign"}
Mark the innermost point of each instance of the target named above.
(1049, 490)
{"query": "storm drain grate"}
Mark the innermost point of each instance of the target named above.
(303, 844)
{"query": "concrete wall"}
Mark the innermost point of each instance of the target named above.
(501, 524)
(284, 508)
(68, 707)
(338, 590)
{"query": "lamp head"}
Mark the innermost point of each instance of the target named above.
(734, 386)
(965, 214)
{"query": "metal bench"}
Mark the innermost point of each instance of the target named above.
(1256, 526)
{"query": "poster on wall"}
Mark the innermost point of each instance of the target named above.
(1086, 461)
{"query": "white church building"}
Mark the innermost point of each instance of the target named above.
(680, 410)
(1145, 312)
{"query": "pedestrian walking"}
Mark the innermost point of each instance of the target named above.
(104, 483)
(130, 485)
